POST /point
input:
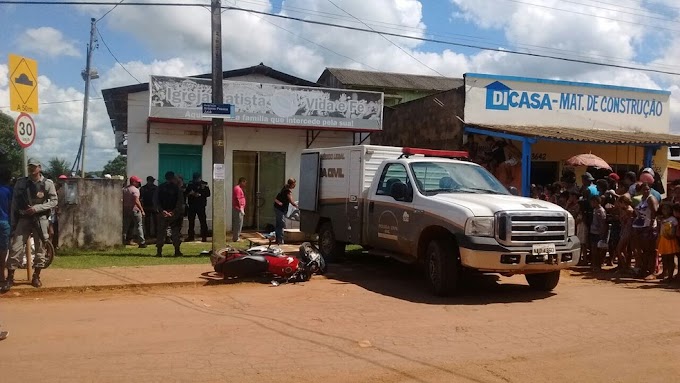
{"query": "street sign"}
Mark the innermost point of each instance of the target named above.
(24, 130)
(210, 110)
(23, 88)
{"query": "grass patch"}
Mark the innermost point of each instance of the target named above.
(134, 256)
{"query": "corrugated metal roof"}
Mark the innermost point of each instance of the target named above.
(583, 135)
(352, 77)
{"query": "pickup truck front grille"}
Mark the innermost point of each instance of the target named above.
(527, 228)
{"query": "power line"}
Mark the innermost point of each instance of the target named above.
(114, 56)
(110, 10)
(358, 29)
(59, 102)
(596, 16)
(390, 41)
(312, 42)
(112, 3)
(444, 42)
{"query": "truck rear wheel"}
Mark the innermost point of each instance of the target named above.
(442, 267)
(330, 249)
(543, 281)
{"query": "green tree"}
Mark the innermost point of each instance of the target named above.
(10, 152)
(56, 167)
(117, 166)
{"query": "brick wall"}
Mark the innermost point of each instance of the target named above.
(424, 122)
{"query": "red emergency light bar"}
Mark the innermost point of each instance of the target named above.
(435, 153)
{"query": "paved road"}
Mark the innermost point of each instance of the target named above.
(366, 323)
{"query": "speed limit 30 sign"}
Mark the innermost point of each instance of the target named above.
(24, 130)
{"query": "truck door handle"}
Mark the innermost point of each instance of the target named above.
(371, 206)
(417, 211)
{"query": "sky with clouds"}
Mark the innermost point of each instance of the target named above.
(176, 41)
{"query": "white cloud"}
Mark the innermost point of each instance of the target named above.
(47, 41)
(180, 38)
(59, 124)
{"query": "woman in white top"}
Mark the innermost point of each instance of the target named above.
(644, 229)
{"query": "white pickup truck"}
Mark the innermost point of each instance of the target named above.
(432, 207)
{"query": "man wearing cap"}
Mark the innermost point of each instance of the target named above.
(197, 198)
(146, 196)
(33, 199)
(133, 212)
(169, 203)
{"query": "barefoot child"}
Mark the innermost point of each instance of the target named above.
(668, 246)
(598, 233)
(623, 248)
(676, 214)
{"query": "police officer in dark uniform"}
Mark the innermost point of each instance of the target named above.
(197, 196)
(33, 199)
(169, 203)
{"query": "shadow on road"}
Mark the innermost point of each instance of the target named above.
(391, 278)
(628, 281)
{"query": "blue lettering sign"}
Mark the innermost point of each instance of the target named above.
(501, 97)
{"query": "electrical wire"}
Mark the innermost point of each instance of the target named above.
(114, 56)
(109, 11)
(416, 38)
(444, 42)
(384, 37)
(596, 16)
(313, 42)
(59, 102)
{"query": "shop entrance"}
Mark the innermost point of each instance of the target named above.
(265, 173)
(544, 173)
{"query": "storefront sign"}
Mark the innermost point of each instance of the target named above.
(503, 100)
(268, 104)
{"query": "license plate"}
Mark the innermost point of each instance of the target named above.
(543, 249)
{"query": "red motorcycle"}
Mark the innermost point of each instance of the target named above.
(234, 263)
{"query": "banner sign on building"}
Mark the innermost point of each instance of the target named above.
(268, 104)
(518, 101)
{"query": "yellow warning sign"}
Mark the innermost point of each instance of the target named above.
(23, 84)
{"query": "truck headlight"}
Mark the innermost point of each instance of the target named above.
(571, 226)
(479, 227)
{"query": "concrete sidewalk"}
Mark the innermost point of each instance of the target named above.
(115, 277)
(121, 277)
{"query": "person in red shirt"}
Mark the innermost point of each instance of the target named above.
(238, 209)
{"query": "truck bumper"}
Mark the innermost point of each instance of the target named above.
(485, 254)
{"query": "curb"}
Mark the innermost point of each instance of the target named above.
(23, 292)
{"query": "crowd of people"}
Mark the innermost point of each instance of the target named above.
(622, 221)
(158, 211)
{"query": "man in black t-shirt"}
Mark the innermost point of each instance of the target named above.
(146, 198)
(281, 203)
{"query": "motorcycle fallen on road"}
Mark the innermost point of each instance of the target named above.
(269, 262)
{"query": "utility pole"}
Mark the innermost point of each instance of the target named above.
(87, 76)
(218, 203)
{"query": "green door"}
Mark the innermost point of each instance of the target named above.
(184, 160)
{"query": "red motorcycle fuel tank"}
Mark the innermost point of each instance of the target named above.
(282, 266)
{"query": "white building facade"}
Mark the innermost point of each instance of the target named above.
(276, 117)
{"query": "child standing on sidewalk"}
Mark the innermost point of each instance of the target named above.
(668, 246)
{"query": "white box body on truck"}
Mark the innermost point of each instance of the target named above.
(419, 205)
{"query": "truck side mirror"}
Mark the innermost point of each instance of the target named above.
(513, 190)
(399, 191)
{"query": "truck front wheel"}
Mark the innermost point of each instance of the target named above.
(442, 267)
(543, 281)
(330, 249)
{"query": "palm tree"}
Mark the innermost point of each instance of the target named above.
(56, 167)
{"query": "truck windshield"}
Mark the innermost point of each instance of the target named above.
(455, 177)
